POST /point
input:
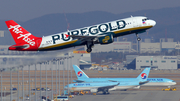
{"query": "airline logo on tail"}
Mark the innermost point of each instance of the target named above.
(24, 40)
(79, 74)
(17, 29)
(143, 75)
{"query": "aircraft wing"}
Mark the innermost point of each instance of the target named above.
(106, 87)
(141, 83)
(88, 38)
(83, 38)
(79, 81)
(112, 81)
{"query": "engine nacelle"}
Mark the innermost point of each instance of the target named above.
(112, 89)
(137, 87)
(106, 39)
(93, 90)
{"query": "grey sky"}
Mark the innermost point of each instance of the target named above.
(23, 10)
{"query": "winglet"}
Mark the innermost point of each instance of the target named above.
(144, 74)
(79, 73)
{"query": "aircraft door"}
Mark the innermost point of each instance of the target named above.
(134, 22)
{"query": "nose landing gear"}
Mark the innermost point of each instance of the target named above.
(138, 38)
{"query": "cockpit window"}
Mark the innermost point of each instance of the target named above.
(145, 19)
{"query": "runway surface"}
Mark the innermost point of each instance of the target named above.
(131, 96)
(142, 94)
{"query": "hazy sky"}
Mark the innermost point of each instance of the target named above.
(23, 10)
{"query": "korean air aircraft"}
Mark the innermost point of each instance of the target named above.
(108, 85)
(82, 77)
(105, 87)
(103, 33)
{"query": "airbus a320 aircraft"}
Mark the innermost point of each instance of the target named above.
(103, 33)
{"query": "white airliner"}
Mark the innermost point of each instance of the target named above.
(103, 33)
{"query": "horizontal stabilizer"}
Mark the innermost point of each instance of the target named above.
(112, 81)
(141, 83)
(19, 46)
(79, 81)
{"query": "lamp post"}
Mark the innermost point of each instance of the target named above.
(1, 87)
(32, 83)
(11, 84)
(71, 67)
(47, 63)
(68, 73)
(18, 83)
(51, 82)
(63, 74)
(29, 83)
(56, 76)
(35, 84)
(40, 80)
(59, 75)
(4, 93)
(23, 83)
(27, 87)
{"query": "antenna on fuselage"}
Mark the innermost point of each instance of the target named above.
(66, 22)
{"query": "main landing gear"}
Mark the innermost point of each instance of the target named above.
(138, 38)
(89, 46)
(106, 91)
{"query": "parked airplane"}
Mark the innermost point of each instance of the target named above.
(82, 77)
(103, 33)
(94, 87)
(113, 85)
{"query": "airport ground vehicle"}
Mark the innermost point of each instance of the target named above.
(169, 89)
(61, 98)
(44, 89)
(13, 89)
(38, 89)
(81, 92)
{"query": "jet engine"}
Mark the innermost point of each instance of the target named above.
(93, 90)
(106, 39)
(137, 87)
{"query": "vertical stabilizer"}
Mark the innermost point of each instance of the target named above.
(144, 74)
(79, 73)
(23, 39)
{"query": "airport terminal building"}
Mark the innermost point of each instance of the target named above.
(158, 62)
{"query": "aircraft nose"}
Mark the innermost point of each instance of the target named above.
(153, 23)
(174, 83)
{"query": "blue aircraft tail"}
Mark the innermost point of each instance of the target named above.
(144, 75)
(79, 73)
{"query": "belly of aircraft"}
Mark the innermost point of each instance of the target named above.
(157, 84)
(124, 87)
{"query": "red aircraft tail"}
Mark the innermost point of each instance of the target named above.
(23, 39)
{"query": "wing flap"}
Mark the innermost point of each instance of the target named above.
(79, 81)
(141, 83)
(107, 87)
